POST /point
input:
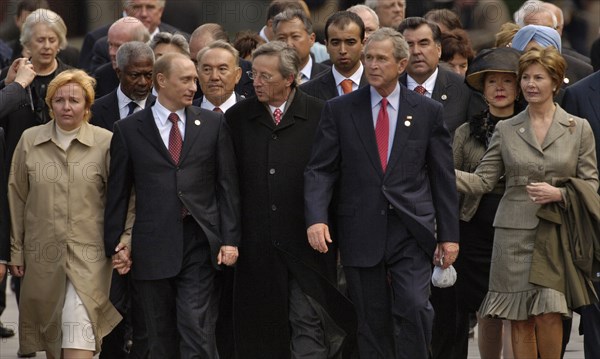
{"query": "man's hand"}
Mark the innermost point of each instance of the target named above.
(448, 251)
(228, 255)
(318, 237)
(16, 271)
(2, 271)
(121, 260)
(25, 68)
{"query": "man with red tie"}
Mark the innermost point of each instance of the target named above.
(180, 160)
(385, 153)
(282, 287)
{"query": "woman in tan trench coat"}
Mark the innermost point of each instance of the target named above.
(56, 191)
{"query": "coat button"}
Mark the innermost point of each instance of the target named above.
(383, 212)
(180, 194)
(274, 136)
(384, 188)
(276, 243)
(272, 171)
(541, 168)
(273, 207)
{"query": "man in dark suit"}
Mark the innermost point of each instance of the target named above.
(386, 153)
(209, 32)
(295, 27)
(4, 237)
(344, 34)
(181, 162)
(121, 31)
(424, 75)
(134, 70)
(282, 287)
(148, 11)
(583, 100)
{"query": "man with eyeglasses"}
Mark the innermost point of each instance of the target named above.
(282, 287)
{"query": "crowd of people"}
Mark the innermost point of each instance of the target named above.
(175, 195)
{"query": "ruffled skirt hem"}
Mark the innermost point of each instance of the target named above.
(523, 305)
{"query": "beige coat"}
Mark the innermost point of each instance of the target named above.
(568, 151)
(57, 214)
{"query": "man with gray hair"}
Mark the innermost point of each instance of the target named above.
(368, 16)
(295, 28)
(390, 12)
(284, 292)
(385, 152)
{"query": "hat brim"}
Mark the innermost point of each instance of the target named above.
(475, 80)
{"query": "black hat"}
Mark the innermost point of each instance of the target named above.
(501, 59)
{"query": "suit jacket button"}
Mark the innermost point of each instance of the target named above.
(273, 207)
(383, 212)
(276, 243)
(272, 171)
(274, 136)
(384, 188)
(180, 194)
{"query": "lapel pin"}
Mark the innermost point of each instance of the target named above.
(408, 121)
(444, 97)
(197, 122)
(571, 124)
(522, 130)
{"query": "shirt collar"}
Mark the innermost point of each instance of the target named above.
(47, 133)
(393, 98)
(231, 100)
(306, 70)
(163, 113)
(355, 77)
(429, 84)
(124, 100)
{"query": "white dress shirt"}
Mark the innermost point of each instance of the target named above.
(224, 106)
(124, 103)
(429, 84)
(356, 76)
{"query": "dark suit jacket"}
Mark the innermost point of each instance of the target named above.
(106, 80)
(94, 51)
(576, 69)
(419, 181)
(317, 68)
(324, 87)
(105, 110)
(459, 102)
(583, 100)
(205, 182)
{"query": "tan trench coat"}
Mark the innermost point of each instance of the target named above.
(57, 214)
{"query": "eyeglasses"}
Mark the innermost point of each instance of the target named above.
(259, 76)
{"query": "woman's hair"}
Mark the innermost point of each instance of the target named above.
(48, 17)
(74, 76)
(456, 42)
(507, 31)
(550, 59)
(246, 42)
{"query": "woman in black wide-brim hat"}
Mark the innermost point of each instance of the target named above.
(493, 73)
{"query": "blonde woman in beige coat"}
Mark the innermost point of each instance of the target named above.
(530, 151)
(56, 192)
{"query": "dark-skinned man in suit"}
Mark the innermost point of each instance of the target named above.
(386, 153)
(344, 34)
(181, 162)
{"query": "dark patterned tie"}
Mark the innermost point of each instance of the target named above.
(382, 131)
(175, 140)
(217, 109)
(420, 90)
(346, 86)
(132, 106)
(277, 116)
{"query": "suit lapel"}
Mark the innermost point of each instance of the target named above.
(362, 116)
(523, 130)
(405, 113)
(558, 128)
(148, 129)
(593, 96)
(328, 85)
(193, 127)
(363, 80)
(439, 89)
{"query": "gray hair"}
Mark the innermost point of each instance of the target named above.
(161, 3)
(291, 14)
(220, 44)
(360, 7)
(131, 51)
(289, 61)
(533, 6)
(386, 33)
(371, 4)
(176, 40)
(48, 17)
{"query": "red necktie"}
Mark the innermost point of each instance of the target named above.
(217, 109)
(277, 116)
(420, 90)
(346, 86)
(382, 131)
(175, 140)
